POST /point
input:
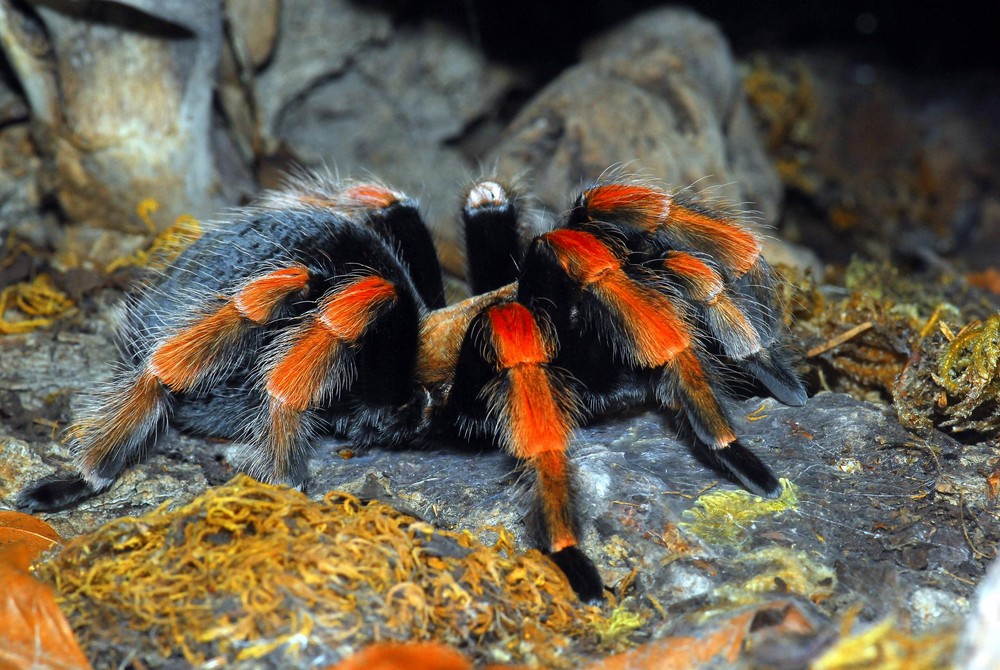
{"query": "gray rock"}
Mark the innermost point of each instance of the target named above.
(381, 101)
(659, 95)
(121, 98)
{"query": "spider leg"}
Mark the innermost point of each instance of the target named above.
(364, 323)
(740, 319)
(653, 221)
(490, 217)
(115, 429)
(393, 215)
(647, 329)
(504, 385)
(734, 289)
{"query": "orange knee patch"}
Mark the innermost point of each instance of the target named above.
(702, 282)
(259, 298)
(348, 312)
(735, 247)
(581, 255)
(299, 376)
(368, 196)
(652, 322)
(183, 359)
(642, 206)
(516, 337)
(648, 317)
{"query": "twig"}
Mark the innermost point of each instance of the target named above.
(839, 339)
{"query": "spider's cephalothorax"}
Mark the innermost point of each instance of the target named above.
(321, 309)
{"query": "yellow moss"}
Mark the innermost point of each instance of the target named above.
(723, 517)
(165, 247)
(969, 370)
(972, 359)
(782, 570)
(621, 623)
(248, 570)
(884, 647)
(38, 298)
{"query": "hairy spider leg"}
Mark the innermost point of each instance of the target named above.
(741, 315)
(650, 218)
(490, 217)
(702, 284)
(316, 364)
(504, 387)
(650, 331)
(391, 214)
(113, 432)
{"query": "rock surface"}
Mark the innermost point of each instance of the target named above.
(885, 520)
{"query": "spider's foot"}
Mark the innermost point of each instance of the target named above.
(580, 572)
(54, 493)
(743, 465)
(771, 368)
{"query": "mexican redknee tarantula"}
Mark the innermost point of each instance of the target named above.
(321, 309)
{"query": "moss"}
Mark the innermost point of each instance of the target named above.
(249, 571)
(723, 517)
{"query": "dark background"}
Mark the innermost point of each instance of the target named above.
(924, 37)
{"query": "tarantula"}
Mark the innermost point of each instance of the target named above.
(320, 309)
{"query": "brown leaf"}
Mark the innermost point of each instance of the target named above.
(405, 656)
(23, 537)
(33, 631)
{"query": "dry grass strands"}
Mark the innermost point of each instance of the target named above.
(249, 570)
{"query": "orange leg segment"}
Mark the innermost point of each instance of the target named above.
(736, 248)
(703, 284)
(115, 429)
(185, 358)
(699, 402)
(537, 418)
(650, 320)
(641, 206)
(119, 425)
(310, 368)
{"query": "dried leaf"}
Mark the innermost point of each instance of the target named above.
(23, 537)
(33, 632)
(405, 656)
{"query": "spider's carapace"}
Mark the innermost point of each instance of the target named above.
(321, 310)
